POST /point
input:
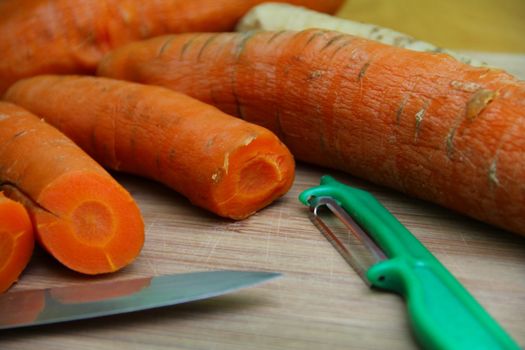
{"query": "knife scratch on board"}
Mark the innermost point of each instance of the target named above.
(467, 246)
(279, 219)
(331, 274)
(151, 266)
(275, 222)
(267, 245)
(152, 224)
(267, 242)
(212, 250)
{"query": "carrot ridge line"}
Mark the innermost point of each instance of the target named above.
(206, 44)
(27, 197)
(239, 49)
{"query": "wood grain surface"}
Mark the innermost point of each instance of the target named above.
(319, 303)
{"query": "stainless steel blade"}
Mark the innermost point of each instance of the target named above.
(350, 240)
(52, 305)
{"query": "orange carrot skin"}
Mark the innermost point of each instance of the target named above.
(221, 163)
(80, 214)
(60, 36)
(421, 123)
(16, 241)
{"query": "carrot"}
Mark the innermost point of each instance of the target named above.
(226, 165)
(421, 123)
(16, 241)
(60, 36)
(81, 215)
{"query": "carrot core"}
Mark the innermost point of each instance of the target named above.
(92, 222)
(257, 176)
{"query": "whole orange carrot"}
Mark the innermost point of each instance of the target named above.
(81, 215)
(418, 122)
(16, 241)
(226, 165)
(60, 36)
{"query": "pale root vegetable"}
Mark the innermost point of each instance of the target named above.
(221, 163)
(80, 214)
(16, 241)
(64, 36)
(422, 123)
(275, 17)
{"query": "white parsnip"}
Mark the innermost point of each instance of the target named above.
(277, 16)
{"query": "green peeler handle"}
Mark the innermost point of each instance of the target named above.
(443, 313)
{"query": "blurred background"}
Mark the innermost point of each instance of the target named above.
(473, 25)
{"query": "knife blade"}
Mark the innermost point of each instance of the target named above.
(76, 302)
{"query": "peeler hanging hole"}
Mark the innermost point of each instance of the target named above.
(381, 278)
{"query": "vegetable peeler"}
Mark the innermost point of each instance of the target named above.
(444, 315)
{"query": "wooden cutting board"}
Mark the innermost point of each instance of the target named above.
(319, 303)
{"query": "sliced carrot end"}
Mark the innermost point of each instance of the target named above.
(16, 241)
(258, 174)
(91, 224)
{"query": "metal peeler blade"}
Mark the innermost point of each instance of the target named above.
(350, 240)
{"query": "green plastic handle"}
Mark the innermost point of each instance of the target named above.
(444, 315)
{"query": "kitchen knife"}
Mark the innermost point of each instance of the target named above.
(60, 304)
